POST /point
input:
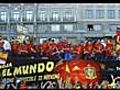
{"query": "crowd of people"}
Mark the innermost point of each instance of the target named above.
(86, 50)
(63, 50)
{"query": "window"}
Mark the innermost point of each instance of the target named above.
(42, 28)
(3, 28)
(13, 28)
(29, 28)
(3, 16)
(68, 15)
(97, 27)
(118, 13)
(42, 15)
(99, 14)
(55, 27)
(16, 15)
(68, 27)
(21, 29)
(29, 15)
(88, 14)
(114, 27)
(111, 14)
(55, 16)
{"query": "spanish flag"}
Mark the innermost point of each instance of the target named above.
(3, 57)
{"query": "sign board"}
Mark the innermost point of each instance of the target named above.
(21, 29)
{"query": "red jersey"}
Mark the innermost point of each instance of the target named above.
(30, 46)
(45, 46)
(67, 48)
(109, 48)
(25, 48)
(77, 49)
(98, 47)
(53, 45)
(61, 45)
(89, 48)
(38, 47)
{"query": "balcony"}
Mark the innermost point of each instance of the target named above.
(71, 19)
(12, 20)
(25, 20)
(55, 19)
(41, 20)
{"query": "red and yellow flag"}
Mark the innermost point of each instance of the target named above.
(3, 56)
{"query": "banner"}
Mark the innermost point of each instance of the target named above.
(54, 74)
(21, 29)
(42, 73)
(43, 67)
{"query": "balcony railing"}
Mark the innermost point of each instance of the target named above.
(13, 20)
(68, 19)
(28, 20)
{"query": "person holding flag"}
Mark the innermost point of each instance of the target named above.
(2, 55)
(6, 53)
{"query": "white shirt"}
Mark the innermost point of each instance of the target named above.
(6, 45)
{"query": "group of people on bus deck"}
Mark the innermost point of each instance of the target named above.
(87, 50)
(63, 50)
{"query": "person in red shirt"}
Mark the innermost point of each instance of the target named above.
(15, 48)
(89, 48)
(61, 45)
(83, 49)
(56, 54)
(24, 48)
(68, 52)
(23, 54)
(76, 50)
(27, 48)
(98, 49)
(38, 48)
(46, 48)
(109, 49)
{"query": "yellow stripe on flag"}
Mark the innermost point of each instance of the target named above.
(3, 56)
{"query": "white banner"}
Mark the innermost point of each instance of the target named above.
(22, 29)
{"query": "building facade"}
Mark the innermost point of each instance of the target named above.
(71, 20)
